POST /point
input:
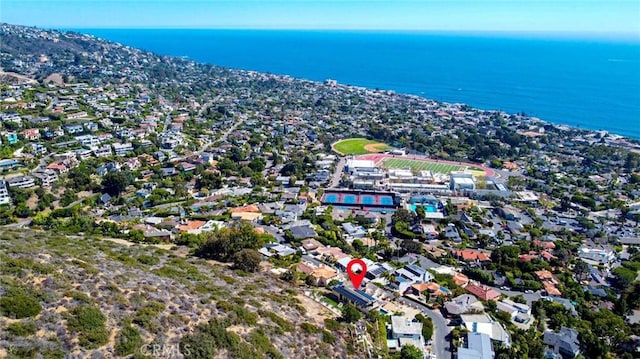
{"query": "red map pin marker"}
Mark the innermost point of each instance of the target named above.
(356, 277)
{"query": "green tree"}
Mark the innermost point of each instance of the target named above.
(115, 183)
(411, 352)
(350, 313)
(247, 260)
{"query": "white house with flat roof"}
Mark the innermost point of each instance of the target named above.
(405, 331)
(4, 193)
(478, 346)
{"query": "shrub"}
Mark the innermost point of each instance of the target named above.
(327, 337)
(22, 329)
(19, 306)
(259, 341)
(310, 328)
(149, 260)
(146, 314)
(89, 322)
(128, 340)
(282, 323)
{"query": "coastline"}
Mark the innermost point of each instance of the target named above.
(583, 99)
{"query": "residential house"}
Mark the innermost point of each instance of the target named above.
(510, 213)
(190, 226)
(58, 167)
(91, 126)
(563, 344)
(519, 312)
(451, 232)
(73, 129)
(482, 292)
(319, 276)
(105, 199)
(462, 304)
(5, 198)
(21, 182)
(358, 298)
(478, 346)
(8, 164)
(38, 148)
(83, 154)
(122, 149)
(354, 230)
(404, 331)
(603, 255)
(483, 323)
(104, 151)
(275, 249)
(549, 282)
(31, 134)
(474, 256)
(303, 232)
(88, 140)
(45, 177)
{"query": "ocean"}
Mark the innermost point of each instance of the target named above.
(586, 83)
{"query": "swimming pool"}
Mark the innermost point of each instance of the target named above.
(427, 208)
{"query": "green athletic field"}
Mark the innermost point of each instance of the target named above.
(359, 146)
(417, 166)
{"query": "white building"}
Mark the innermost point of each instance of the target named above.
(104, 151)
(461, 181)
(21, 182)
(4, 193)
(45, 177)
(405, 331)
(88, 140)
(478, 346)
(597, 256)
(121, 149)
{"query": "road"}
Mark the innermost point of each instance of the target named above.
(22, 223)
(337, 174)
(239, 120)
(440, 345)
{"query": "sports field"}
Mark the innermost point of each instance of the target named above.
(416, 166)
(359, 146)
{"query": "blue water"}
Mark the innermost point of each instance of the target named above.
(592, 84)
(428, 208)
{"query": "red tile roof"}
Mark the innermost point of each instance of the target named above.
(482, 292)
(470, 255)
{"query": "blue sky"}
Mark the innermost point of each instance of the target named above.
(562, 16)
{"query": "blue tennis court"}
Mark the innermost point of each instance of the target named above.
(349, 199)
(367, 199)
(385, 200)
(331, 198)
